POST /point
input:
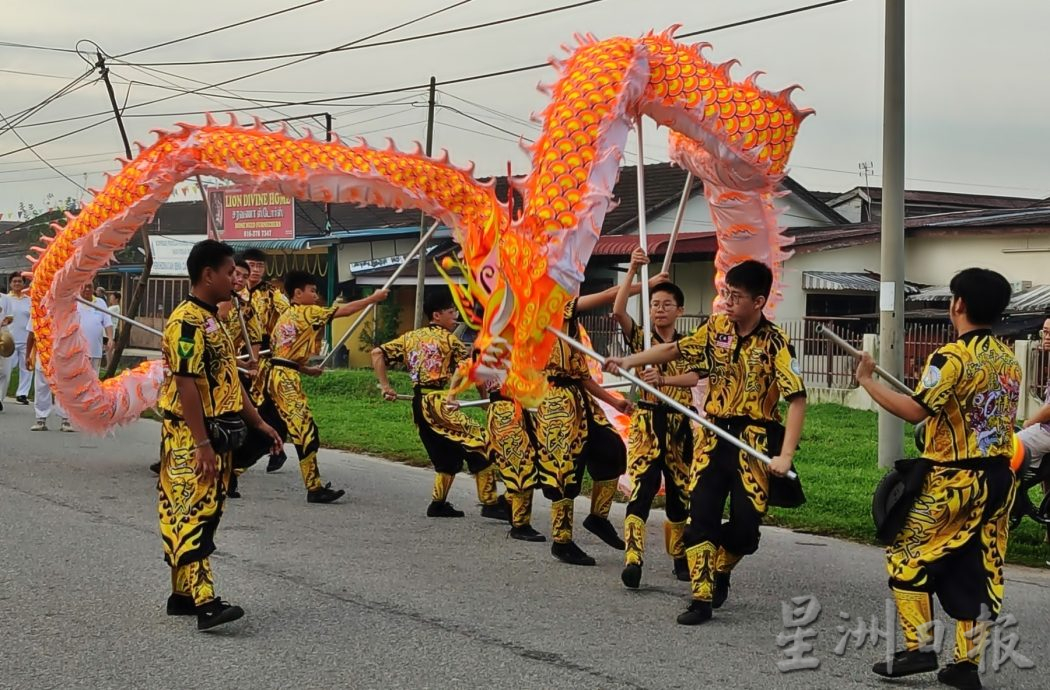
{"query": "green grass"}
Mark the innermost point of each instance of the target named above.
(838, 458)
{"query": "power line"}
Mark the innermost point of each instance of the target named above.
(220, 28)
(376, 44)
(414, 87)
(281, 66)
(763, 18)
(9, 44)
(35, 153)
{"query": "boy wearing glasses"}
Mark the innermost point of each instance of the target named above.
(751, 365)
(451, 437)
(660, 444)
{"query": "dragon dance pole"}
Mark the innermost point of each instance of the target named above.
(688, 412)
(386, 286)
(643, 241)
(120, 317)
(886, 376)
(678, 218)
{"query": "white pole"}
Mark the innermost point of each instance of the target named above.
(886, 376)
(386, 286)
(679, 217)
(643, 240)
(688, 412)
(120, 317)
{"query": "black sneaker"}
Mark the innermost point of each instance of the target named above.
(631, 575)
(697, 613)
(155, 468)
(276, 461)
(604, 530)
(22, 400)
(325, 494)
(721, 590)
(961, 674)
(217, 612)
(232, 491)
(443, 509)
(681, 569)
(570, 553)
(525, 533)
(498, 510)
(907, 663)
(1, 405)
(181, 605)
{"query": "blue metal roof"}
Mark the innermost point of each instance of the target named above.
(338, 237)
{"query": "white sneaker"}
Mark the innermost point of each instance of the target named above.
(66, 426)
(41, 425)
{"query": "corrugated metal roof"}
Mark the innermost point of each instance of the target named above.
(838, 281)
(1035, 299)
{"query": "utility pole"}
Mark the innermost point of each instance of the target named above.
(891, 293)
(124, 334)
(421, 273)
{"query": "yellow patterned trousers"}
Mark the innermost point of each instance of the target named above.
(572, 434)
(512, 446)
(659, 446)
(286, 390)
(953, 542)
(189, 507)
(451, 437)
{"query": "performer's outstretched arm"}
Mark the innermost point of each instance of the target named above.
(357, 305)
(379, 367)
(895, 403)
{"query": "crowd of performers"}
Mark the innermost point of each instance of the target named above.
(221, 414)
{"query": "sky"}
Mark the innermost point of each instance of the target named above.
(976, 96)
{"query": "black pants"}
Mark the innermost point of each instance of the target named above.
(727, 473)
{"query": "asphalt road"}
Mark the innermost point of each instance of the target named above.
(369, 593)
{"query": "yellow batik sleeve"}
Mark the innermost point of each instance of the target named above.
(787, 370)
(938, 379)
(693, 350)
(394, 351)
(184, 348)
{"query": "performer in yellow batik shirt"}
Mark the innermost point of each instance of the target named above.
(268, 302)
(230, 319)
(512, 446)
(296, 337)
(204, 407)
(256, 445)
(751, 365)
(660, 444)
(573, 434)
(450, 436)
(953, 540)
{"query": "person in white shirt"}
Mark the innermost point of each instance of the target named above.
(97, 328)
(14, 313)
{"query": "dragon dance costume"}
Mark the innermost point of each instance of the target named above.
(512, 446)
(573, 434)
(450, 436)
(953, 542)
(194, 345)
(257, 444)
(748, 374)
(659, 446)
(297, 336)
(268, 302)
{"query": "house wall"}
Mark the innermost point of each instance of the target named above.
(935, 260)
